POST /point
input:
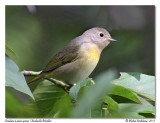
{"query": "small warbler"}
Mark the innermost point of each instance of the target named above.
(78, 59)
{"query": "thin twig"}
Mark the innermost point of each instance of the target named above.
(30, 73)
(59, 83)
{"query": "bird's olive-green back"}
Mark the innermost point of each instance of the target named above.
(67, 55)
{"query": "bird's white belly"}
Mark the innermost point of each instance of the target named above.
(85, 70)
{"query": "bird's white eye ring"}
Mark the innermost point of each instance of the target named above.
(101, 34)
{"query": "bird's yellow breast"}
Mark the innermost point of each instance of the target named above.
(91, 53)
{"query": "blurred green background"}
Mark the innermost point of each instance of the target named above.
(37, 33)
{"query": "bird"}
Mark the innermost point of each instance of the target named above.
(78, 58)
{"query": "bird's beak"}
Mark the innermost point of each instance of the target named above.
(111, 39)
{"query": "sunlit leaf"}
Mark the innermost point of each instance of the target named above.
(140, 83)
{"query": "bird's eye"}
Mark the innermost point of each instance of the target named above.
(101, 34)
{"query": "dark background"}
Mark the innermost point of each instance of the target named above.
(37, 33)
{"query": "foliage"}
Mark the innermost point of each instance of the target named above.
(103, 98)
(9, 50)
(14, 78)
(141, 84)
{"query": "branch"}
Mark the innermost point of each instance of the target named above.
(30, 73)
(59, 83)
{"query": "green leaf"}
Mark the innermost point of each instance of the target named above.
(47, 95)
(96, 111)
(15, 108)
(147, 115)
(133, 110)
(75, 89)
(81, 92)
(91, 98)
(14, 78)
(126, 110)
(10, 50)
(112, 105)
(30, 110)
(12, 104)
(146, 108)
(124, 92)
(63, 107)
(139, 83)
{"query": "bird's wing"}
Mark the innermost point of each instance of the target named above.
(67, 55)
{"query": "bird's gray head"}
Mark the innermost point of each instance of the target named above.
(99, 36)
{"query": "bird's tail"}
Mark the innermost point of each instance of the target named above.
(41, 75)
